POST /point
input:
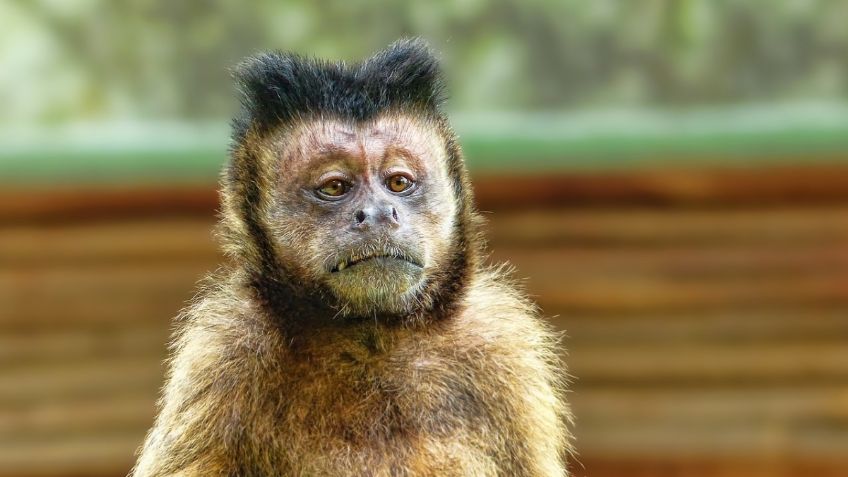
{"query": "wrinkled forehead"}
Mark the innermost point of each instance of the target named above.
(413, 139)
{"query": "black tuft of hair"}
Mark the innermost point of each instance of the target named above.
(277, 87)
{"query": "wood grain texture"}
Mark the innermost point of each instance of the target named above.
(707, 187)
(707, 331)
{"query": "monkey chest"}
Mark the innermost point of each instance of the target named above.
(423, 418)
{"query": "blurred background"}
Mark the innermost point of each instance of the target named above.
(670, 176)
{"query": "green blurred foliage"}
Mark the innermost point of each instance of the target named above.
(71, 60)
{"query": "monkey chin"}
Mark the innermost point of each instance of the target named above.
(376, 285)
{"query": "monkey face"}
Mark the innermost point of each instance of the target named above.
(364, 209)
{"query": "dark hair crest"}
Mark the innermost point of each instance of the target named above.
(277, 87)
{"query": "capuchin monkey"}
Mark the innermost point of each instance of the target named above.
(355, 330)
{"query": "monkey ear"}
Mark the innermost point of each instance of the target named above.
(406, 72)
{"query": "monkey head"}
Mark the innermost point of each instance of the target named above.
(346, 187)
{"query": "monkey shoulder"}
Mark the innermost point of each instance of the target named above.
(497, 348)
(495, 373)
(497, 315)
(221, 343)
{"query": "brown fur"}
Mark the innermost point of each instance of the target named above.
(275, 373)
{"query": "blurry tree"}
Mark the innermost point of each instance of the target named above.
(63, 60)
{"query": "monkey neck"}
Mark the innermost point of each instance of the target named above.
(287, 303)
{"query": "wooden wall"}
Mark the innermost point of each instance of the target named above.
(706, 312)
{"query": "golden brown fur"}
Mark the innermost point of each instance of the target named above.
(277, 370)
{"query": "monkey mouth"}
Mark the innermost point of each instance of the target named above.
(355, 260)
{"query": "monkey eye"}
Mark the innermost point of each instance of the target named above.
(333, 188)
(399, 183)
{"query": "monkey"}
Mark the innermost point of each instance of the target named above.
(355, 327)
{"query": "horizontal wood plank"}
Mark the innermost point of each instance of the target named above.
(732, 363)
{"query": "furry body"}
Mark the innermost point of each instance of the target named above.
(426, 364)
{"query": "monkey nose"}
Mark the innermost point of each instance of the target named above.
(372, 216)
